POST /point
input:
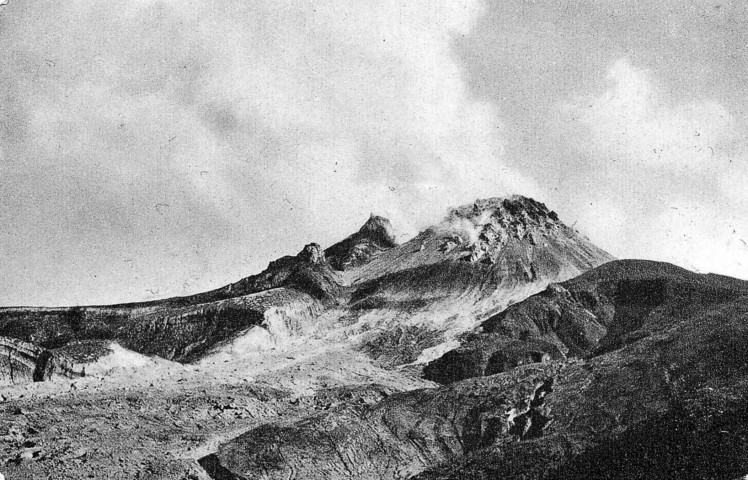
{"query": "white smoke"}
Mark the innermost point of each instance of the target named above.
(468, 229)
(262, 125)
(651, 140)
(362, 106)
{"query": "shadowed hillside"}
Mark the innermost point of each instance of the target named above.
(601, 310)
(661, 393)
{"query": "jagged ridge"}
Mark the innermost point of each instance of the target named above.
(518, 246)
(185, 328)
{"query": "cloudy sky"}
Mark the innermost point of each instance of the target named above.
(158, 148)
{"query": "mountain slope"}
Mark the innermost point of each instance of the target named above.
(327, 330)
(668, 401)
(615, 304)
(187, 328)
(411, 302)
(515, 237)
(395, 301)
(555, 362)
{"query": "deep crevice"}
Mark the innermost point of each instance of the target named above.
(212, 466)
(531, 423)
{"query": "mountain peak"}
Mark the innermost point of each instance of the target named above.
(487, 245)
(380, 230)
(312, 253)
(512, 207)
(375, 236)
(486, 226)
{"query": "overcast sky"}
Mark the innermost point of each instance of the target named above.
(158, 148)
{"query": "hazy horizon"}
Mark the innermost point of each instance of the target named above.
(164, 148)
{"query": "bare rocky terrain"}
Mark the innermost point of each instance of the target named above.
(498, 343)
(652, 384)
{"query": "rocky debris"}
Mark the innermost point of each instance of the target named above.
(399, 345)
(489, 225)
(396, 437)
(374, 237)
(450, 242)
(141, 432)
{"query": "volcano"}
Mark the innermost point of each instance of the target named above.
(498, 342)
(477, 260)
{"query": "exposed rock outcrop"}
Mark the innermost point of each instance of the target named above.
(308, 271)
(312, 253)
(23, 362)
(488, 226)
(374, 237)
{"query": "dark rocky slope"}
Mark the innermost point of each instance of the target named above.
(601, 310)
(664, 396)
(185, 328)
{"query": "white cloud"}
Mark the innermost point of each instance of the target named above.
(677, 189)
(603, 221)
(701, 238)
(380, 79)
(289, 121)
(733, 179)
(632, 122)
